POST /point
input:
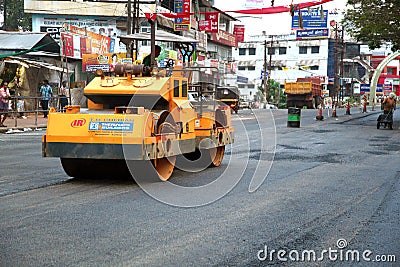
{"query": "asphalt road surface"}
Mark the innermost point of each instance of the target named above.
(330, 196)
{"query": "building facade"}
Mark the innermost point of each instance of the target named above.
(110, 19)
(285, 57)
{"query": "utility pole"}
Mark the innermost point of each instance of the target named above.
(341, 62)
(129, 28)
(129, 20)
(265, 71)
(335, 70)
(135, 27)
(270, 66)
(267, 84)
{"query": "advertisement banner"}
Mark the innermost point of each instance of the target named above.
(54, 24)
(104, 62)
(313, 33)
(238, 30)
(85, 41)
(225, 38)
(211, 22)
(67, 45)
(182, 23)
(311, 19)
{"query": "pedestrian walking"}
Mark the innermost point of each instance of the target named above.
(62, 93)
(47, 94)
(4, 96)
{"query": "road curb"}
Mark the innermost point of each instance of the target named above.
(346, 118)
(18, 129)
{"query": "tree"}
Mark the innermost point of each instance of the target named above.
(14, 18)
(374, 22)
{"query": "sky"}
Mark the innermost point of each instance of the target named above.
(271, 23)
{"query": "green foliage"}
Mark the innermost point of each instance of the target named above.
(16, 19)
(273, 95)
(374, 22)
(352, 100)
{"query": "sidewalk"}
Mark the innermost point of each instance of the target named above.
(355, 114)
(29, 123)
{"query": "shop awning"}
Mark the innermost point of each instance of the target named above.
(27, 63)
(19, 43)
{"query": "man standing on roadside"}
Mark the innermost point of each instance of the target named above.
(4, 96)
(389, 103)
(62, 93)
(47, 93)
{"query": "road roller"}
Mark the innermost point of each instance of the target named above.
(133, 118)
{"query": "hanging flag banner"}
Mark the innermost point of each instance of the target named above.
(182, 7)
(151, 16)
(238, 30)
(251, 11)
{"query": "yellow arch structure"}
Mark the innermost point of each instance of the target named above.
(377, 73)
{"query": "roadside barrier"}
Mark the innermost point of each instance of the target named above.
(20, 106)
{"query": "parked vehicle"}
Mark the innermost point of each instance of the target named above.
(304, 92)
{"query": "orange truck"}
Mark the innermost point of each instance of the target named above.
(304, 92)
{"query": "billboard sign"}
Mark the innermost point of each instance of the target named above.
(312, 19)
(366, 88)
(104, 62)
(225, 38)
(77, 41)
(312, 33)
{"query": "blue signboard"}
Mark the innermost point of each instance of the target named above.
(111, 126)
(311, 19)
(312, 33)
(178, 8)
(262, 74)
(366, 88)
(241, 79)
